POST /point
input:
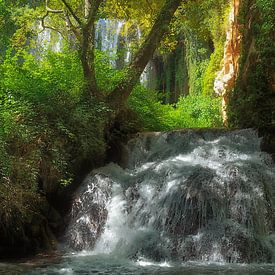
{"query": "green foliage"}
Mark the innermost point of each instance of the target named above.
(141, 12)
(204, 25)
(18, 172)
(38, 79)
(150, 111)
(107, 77)
(7, 27)
(18, 23)
(192, 111)
(198, 111)
(50, 89)
(197, 58)
(47, 131)
(213, 67)
(206, 18)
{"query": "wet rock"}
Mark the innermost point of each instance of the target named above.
(89, 213)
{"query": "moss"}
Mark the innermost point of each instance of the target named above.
(213, 67)
(250, 101)
(197, 59)
(204, 39)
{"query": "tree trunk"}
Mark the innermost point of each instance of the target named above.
(118, 97)
(87, 49)
(87, 60)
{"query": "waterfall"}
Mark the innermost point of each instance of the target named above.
(47, 39)
(199, 195)
(109, 38)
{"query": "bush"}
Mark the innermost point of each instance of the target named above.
(190, 112)
(47, 131)
(198, 111)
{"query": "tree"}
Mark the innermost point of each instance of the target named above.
(81, 22)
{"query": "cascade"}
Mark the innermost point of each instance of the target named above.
(47, 39)
(109, 38)
(188, 195)
(166, 73)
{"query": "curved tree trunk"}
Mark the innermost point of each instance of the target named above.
(88, 47)
(118, 97)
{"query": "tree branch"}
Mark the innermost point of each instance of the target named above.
(48, 11)
(77, 19)
(44, 26)
(94, 6)
(71, 26)
(88, 46)
(51, 10)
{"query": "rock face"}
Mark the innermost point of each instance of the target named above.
(226, 78)
(247, 79)
(38, 233)
(89, 211)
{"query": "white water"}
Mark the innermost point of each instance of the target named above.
(102, 264)
(107, 36)
(204, 196)
(108, 33)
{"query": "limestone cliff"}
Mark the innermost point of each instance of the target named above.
(246, 81)
(226, 77)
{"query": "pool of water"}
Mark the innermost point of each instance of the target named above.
(86, 263)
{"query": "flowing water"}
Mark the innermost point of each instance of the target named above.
(107, 36)
(102, 264)
(184, 195)
(182, 202)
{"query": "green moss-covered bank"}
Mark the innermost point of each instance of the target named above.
(251, 102)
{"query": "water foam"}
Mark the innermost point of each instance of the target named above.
(185, 196)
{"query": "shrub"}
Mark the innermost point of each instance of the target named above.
(47, 131)
(190, 112)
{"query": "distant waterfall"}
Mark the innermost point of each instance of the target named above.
(200, 195)
(111, 39)
(107, 36)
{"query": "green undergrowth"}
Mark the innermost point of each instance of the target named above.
(192, 111)
(47, 132)
(205, 36)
